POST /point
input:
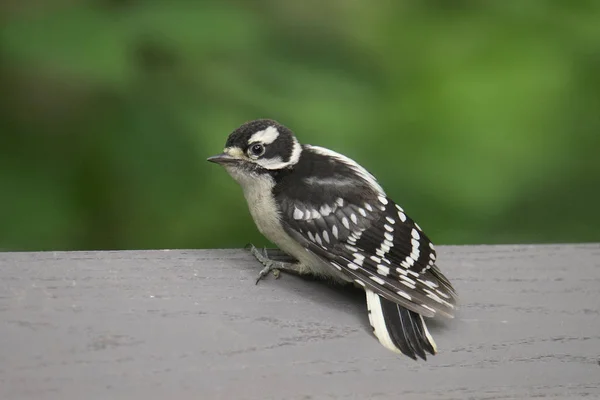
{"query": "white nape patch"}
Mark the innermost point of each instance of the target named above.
(345, 223)
(361, 283)
(390, 220)
(334, 230)
(326, 236)
(362, 211)
(296, 152)
(404, 294)
(352, 266)
(377, 279)
(388, 228)
(266, 136)
(272, 163)
(340, 202)
(402, 216)
(383, 200)
(399, 208)
(360, 171)
(378, 321)
(383, 270)
(325, 210)
(353, 218)
(415, 234)
(368, 207)
(298, 214)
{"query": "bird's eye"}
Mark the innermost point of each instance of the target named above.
(257, 150)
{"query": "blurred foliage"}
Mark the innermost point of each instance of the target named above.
(482, 118)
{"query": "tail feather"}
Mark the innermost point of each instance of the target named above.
(398, 329)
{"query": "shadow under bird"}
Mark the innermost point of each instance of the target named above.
(331, 215)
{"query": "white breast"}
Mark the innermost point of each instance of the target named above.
(261, 203)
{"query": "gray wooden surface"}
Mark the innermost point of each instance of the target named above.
(192, 325)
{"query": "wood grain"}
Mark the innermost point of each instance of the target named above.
(192, 325)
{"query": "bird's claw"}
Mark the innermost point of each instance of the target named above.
(266, 270)
(262, 257)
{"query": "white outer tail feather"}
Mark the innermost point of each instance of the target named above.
(378, 323)
(379, 327)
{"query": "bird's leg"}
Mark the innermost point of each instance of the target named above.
(274, 266)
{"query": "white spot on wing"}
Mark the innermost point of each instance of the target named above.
(404, 294)
(402, 216)
(326, 236)
(388, 228)
(340, 202)
(325, 210)
(377, 279)
(352, 266)
(362, 211)
(318, 239)
(298, 214)
(361, 283)
(415, 234)
(345, 222)
(390, 220)
(368, 207)
(383, 200)
(383, 270)
(334, 230)
(353, 218)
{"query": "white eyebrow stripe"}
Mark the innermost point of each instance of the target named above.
(266, 136)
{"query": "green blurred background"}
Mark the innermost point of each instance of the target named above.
(481, 118)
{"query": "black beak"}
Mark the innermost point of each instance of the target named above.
(222, 158)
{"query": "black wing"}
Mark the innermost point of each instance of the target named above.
(374, 243)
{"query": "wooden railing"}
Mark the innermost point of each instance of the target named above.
(191, 324)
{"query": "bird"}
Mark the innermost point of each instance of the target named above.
(336, 222)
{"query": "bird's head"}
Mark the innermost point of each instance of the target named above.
(258, 147)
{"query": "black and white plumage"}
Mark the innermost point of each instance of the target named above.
(331, 215)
